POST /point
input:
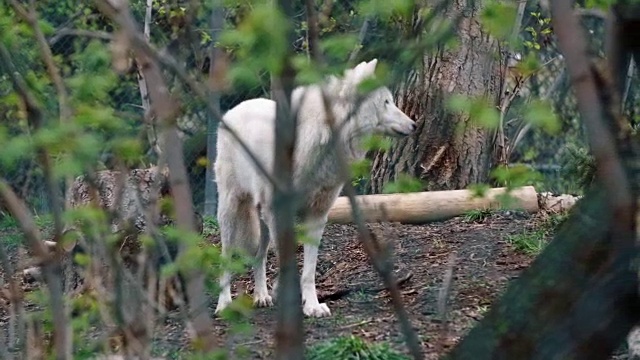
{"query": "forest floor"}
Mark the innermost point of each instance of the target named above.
(490, 250)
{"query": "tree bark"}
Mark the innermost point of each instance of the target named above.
(447, 150)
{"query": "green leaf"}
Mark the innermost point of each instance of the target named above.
(306, 70)
(82, 259)
(539, 113)
(16, 148)
(360, 168)
(498, 18)
(479, 110)
(376, 142)
(128, 148)
(46, 27)
(599, 4)
(515, 176)
(242, 75)
(369, 84)
(338, 46)
(386, 8)
(403, 184)
(479, 190)
(458, 103)
(531, 63)
(486, 116)
(260, 39)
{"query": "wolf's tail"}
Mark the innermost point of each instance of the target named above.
(239, 223)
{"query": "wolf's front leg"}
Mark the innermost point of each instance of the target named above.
(312, 306)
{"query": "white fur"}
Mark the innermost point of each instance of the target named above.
(244, 192)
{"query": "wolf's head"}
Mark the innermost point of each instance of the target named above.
(377, 111)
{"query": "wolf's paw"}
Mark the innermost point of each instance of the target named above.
(316, 310)
(262, 300)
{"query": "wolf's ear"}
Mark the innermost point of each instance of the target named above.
(353, 77)
(371, 67)
(361, 71)
(351, 74)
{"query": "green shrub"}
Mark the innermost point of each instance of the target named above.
(353, 347)
(578, 166)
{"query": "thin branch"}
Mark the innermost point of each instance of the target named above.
(525, 129)
(360, 288)
(591, 12)
(53, 278)
(15, 302)
(217, 70)
(506, 101)
(165, 108)
(379, 258)
(377, 255)
(142, 83)
(361, 36)
(36, 119)
(630, 71)
(30, 16)
(201, 92)
(166, 60)
(51, 273)
(314, 31)
(573, 45)
(101, 35)
(289, 330)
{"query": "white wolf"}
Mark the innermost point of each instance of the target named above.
(246, 194)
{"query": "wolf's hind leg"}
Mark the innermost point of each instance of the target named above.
(239, 229)
(261, 297)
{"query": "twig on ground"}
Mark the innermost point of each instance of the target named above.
(445, 289)
(359, 323)
(443, 296)
(341, 293)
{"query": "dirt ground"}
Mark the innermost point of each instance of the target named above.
(484, 262)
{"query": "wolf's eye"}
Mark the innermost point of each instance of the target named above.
(386, 102)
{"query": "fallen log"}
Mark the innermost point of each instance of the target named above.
(422, 207)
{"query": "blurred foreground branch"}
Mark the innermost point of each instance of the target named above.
(579, 298)
(165, 107)
(289, 327)
(52, 268)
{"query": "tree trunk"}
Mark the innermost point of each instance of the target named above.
(447, 150)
